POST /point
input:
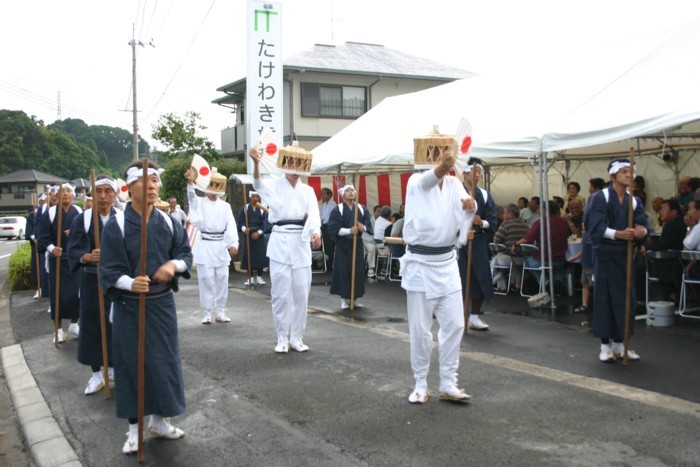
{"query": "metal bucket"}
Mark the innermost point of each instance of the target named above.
(660, 314)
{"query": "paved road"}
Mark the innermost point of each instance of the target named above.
(540, 395)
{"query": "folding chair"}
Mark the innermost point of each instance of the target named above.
(527, 251)
(383, 267)
(315, 254)
(650, 258)
(683, 310)
(497, 248)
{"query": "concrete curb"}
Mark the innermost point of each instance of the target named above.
(45, 439)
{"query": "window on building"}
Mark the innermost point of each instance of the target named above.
(325, 100)
(25, 189)
(5, 189)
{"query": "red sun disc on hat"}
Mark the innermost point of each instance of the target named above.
(124, 188)
(204, 171)
(466, 144)
(271, 149)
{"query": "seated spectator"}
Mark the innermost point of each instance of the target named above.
(672, 235)
(524, 209)
(559, 239)
(560, 201)
(380, 226)
(638, 186)
(692, 241)
(534, 208)
(655, 221)
(397, 251)
(574, 219)
(573, 189)
(369, 244)
(511, 230)
(684, 194)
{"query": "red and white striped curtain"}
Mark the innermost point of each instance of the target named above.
(384, 190)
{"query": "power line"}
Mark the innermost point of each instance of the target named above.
(182, 61)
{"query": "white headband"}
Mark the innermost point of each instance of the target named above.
(42, 197)
(617, 165)
(251, 193)
(107, 181)
(68, 186)
(89, 198)
(54, 188)
(134, 173)
(468, 168)
(345, 187)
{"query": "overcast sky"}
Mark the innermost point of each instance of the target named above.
(80, 47)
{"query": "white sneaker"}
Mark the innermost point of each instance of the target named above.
(618, 350)
(606, 353)
(62, 337)
(420, 395)
(298, 344)
(222, 318)
(95, 384)
(161, 428)
(282, 344)
(476, 323)
(344, 305)
(74, 329)
(37, 294)
(206, 319)
(250, 281)
(131, 446)
(452, 393)
(260, 281)
(371, 273)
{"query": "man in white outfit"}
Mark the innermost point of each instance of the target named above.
(296, 223)
(437, 208)
(218, 242)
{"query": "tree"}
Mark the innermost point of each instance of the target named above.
(112, 142)
(180, 136)
(174, 182)
(25, 143)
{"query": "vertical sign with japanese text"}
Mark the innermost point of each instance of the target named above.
(264, 96)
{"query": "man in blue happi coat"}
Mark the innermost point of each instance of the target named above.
(342, 229)
(84, 257)
(606, 220)
(168, 255)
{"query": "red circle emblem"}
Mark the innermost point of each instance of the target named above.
(466, 144)
(204, 171)
(271, 149)
(124, 189)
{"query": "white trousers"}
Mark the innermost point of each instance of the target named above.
(213, 289)
(371, 252)
(449, 312)
(289, 290)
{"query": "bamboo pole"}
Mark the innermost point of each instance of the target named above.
(35, 245)
(247, 238)
(468, 288)
(142, 310)
(630, 246)
(100, 296)
(57, 292)
(354, 258)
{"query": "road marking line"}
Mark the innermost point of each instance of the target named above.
(590, 383)
(5, 256)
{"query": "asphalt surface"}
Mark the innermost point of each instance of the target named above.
(540, 395)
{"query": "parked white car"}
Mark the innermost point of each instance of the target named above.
(13, 226)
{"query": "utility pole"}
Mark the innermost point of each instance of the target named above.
(58, 106)
(135, 136)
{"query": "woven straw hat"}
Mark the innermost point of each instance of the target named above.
(217, 184)
(294, 160)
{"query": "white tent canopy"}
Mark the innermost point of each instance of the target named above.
(650, 89)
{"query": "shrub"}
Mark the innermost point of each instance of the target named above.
(20, 264)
